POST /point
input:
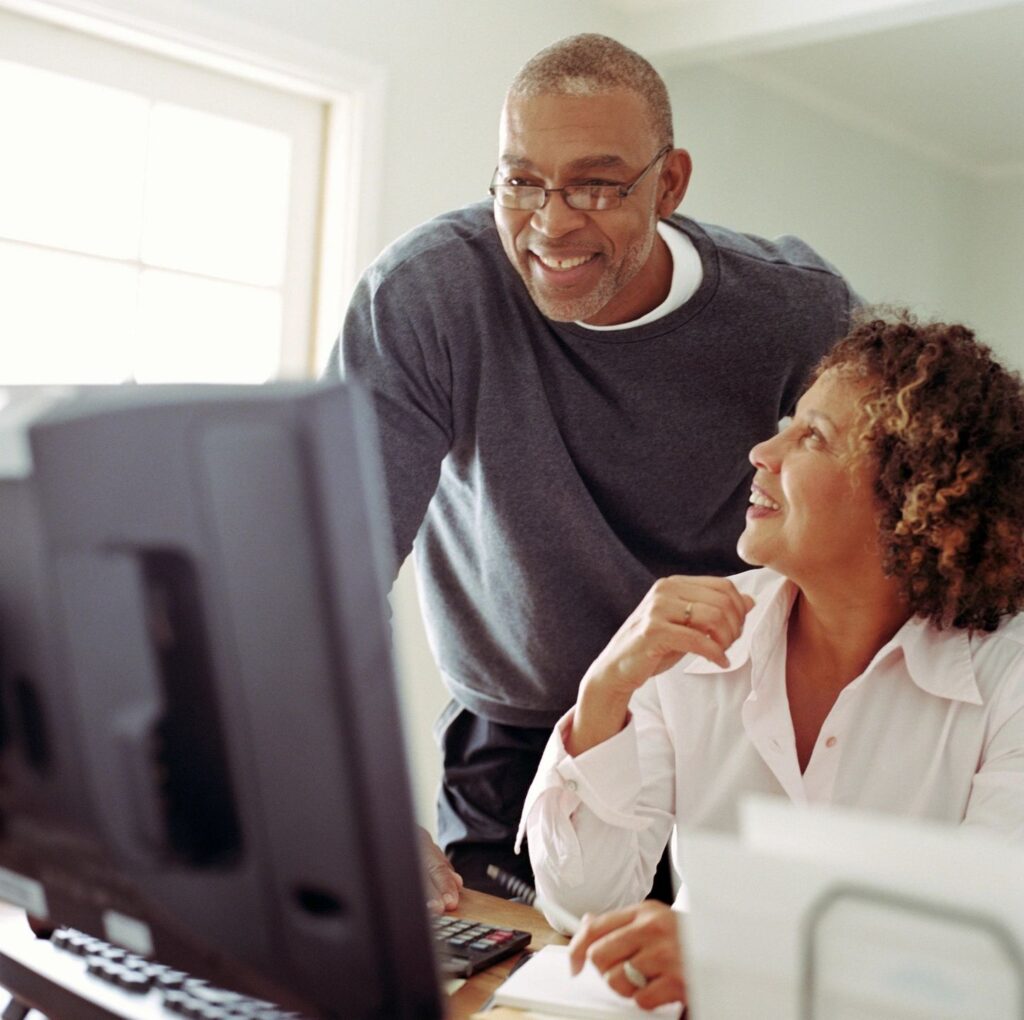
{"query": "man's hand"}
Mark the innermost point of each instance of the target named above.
(637, 950)
(442, 881)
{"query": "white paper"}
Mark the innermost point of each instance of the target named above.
(546, 984)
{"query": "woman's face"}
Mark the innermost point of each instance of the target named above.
(813, 515)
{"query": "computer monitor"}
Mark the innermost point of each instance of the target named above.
(201, 755)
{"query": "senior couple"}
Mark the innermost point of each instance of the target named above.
(567, 381)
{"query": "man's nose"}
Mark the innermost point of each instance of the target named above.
(557, 218)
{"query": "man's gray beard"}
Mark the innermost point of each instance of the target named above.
(584, 308)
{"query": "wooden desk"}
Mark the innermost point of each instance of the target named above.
(493, 910)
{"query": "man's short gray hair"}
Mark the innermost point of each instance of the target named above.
(591, 64)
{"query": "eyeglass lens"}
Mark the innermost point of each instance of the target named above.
(586, 197)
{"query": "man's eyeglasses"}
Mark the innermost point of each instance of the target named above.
(587, 197)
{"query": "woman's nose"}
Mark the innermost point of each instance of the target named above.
(766, 455)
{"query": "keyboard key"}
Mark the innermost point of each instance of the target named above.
(176, 1001)
(171, 978)
(214, 996)
(133, 981)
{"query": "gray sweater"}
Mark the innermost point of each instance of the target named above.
(550, 473)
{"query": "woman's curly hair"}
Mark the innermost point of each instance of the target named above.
(944, 422)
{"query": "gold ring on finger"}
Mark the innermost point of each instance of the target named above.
(687, 614)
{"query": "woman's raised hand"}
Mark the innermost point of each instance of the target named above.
(677, 616)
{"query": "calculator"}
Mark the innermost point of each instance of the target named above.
(466, 947)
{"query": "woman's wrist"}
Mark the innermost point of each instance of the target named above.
(601, 712)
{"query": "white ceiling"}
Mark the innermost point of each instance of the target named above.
(944, 78)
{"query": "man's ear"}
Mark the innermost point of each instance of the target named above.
(673, 181)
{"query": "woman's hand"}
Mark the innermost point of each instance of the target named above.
(677, 616)
(637, 950)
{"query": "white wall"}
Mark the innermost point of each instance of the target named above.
(768, 165)
(994, 264)
(902, 228)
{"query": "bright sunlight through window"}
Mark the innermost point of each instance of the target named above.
(147, 239)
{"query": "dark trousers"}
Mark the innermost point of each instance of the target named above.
(488, 767)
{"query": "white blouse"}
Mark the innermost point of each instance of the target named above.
(933, 728)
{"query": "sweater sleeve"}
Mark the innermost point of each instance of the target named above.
(390, 344)
(597, 824)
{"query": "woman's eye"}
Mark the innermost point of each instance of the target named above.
(813, 437)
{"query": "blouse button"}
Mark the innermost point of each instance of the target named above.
(831, 742)
(570, 784)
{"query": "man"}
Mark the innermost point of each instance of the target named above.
(568, 381)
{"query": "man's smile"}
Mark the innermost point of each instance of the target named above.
(562, 262)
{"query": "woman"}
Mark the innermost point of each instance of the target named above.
(873, 664)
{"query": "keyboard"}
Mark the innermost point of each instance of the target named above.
(466, 947)
(93, 978)
(181, 993)
(112, 982)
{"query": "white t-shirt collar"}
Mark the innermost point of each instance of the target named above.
(687, 274)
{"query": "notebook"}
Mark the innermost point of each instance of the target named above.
(546, 985)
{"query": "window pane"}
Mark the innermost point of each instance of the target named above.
(64, 318)
(217, 196)
(195, 330)
(72, 172)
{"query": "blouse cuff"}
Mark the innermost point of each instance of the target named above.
(606, 778)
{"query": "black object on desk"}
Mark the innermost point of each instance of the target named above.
(467, 947)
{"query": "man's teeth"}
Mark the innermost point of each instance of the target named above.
(572, 263)
(759, 499)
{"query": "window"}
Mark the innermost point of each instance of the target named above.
(159, 221)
